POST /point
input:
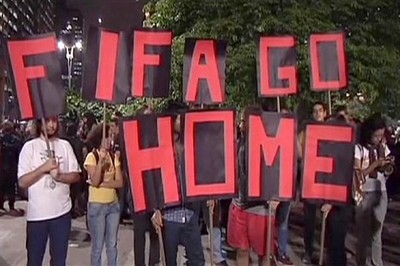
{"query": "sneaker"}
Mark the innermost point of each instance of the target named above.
(16, 213)
(306, 259)
(284, 261)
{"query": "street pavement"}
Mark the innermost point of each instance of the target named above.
(13, 253)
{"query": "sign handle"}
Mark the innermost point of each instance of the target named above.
(162, 251)
(278, 104)
(270, 232)
(210, 217)
(323, 229)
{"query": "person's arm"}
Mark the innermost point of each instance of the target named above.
(95, 169)
(26, 176)
(95, 173)
(371, 167)
(157, 220)
(388, 160)
(32, 177)
(68, 178)
(118, 182)
(71, 174)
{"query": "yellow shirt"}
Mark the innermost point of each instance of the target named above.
(103, 195)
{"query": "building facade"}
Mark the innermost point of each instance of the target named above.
(20, 18)
(70, 33)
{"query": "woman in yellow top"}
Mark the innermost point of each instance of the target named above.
(105, 176)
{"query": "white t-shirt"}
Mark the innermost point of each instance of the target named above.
(44, 202)
(371, 184)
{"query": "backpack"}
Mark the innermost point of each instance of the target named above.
(358, 180)
(96, 155)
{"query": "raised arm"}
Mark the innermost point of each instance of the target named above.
(118, 182)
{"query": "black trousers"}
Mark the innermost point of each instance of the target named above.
(142, 224)
(310, 219)
(337, 225)
(338, 222)
(8, 185)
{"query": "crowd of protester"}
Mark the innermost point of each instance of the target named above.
(85, 177)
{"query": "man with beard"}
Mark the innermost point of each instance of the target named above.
(47, 175)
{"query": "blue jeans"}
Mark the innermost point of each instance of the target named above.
(283, 231)
(103, 220)
(142, 224)
(217, 237)
(370, 216)
(58, 230)
(189, 235)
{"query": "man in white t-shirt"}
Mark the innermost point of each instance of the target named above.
(47, 179)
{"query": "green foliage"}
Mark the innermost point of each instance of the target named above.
(372, 27)
(77, 106)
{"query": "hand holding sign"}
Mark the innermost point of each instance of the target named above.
(157, 220)
(49, 165)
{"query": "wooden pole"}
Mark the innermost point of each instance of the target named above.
(278, 104)
(211, 214)
(104, 123)
(50, 153)
(149, 103)
(159, 232)
(330, 102)
(323, 229)
(162, 251)
(46, 139)
(211, 222)
(270, 233)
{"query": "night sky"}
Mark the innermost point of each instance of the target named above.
(116, 14)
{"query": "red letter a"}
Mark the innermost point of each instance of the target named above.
(208, 71)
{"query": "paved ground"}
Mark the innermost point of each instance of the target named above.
(12, 241)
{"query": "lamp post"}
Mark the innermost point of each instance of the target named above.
(69, 55)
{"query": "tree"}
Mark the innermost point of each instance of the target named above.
(78, 106)
(372, 28)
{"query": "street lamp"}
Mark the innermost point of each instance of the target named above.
(69, 54)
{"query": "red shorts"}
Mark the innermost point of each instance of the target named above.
(247, 230)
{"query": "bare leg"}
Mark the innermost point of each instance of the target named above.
(242, 257)
(263, 260)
